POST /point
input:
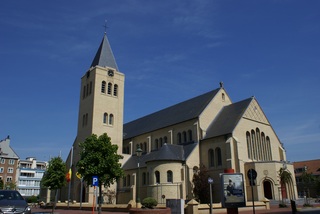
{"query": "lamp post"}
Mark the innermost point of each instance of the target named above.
(138, 152)
(210, 181)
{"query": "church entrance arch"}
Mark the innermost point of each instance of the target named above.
(267, 189)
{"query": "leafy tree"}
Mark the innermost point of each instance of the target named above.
(285, 178)
(10, 185)
(54, 178)
(1, 183)
(98, 157)
(201, 188)
(308, 182)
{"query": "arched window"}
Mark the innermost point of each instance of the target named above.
(125, 181)
(253, 145)
(264, 146)
(128, 180)
(269, 148)
(105, 118)
(259, 147)
(144, 178)
(90, 91)
(157, 177)
(84, 92)
(169, 176)
(156, 144)
(190, 135)
(161, 142)
(223, 97)
(115, 90)
(211, 158)
(165, 139)
(249, 149)
(219, 157)
(86, 120)
(109, 88)
(184, 136)
(87, 89)
(103, 87)
(179, 138)
(145, 146)
(111, 119)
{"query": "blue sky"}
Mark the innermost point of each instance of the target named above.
(170, 51)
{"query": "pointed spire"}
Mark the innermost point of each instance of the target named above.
(104, 56)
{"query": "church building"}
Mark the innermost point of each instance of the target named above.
(208, 129)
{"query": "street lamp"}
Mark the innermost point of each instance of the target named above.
(210, 181)
(138, 152)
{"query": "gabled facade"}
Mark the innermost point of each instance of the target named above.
(8, 162)
(208, 129)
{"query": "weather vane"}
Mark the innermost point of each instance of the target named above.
(105, 26)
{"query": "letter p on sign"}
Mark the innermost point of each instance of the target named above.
(95, 181)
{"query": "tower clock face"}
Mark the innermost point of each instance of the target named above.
(110, 73)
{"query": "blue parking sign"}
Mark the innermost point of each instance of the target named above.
(95, 181)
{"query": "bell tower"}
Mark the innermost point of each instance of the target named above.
(102, 98)
(100, 111)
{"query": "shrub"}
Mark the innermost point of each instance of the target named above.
(149, 202)
(282, 205)
(32, 199)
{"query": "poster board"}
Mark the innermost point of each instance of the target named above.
(232, 190)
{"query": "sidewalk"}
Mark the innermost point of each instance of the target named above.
(249, 210)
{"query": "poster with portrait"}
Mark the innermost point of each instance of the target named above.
(232, 194)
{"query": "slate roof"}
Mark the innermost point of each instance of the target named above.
(104, 56)
(178, 113)
(227, 119)
(168, 152)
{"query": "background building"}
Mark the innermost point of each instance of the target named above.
(8, 163)
(30, 173)
(307, 187)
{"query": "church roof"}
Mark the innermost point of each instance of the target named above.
(168, 152)
(104, 56)
(178, 113)
(228, 118)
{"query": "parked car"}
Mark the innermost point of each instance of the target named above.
(11, 201)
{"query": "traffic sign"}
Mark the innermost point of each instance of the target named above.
(95, 181)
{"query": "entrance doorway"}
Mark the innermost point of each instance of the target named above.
(267, 189)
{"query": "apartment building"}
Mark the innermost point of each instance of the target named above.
(8, 163)
(30, 173)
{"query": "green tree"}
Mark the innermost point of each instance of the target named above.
(98, 157)
(308, 182)
(1, 183)
(285, 178)
(55, 176)
(201, 187)
(10, 185)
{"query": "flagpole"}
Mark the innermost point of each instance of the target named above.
(69, 189)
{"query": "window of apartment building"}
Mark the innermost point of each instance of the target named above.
(3, 161)
(1, 169)
(10, 170)
(11, 161)
(9, 178)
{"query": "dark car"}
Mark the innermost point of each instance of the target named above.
(12, 202)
